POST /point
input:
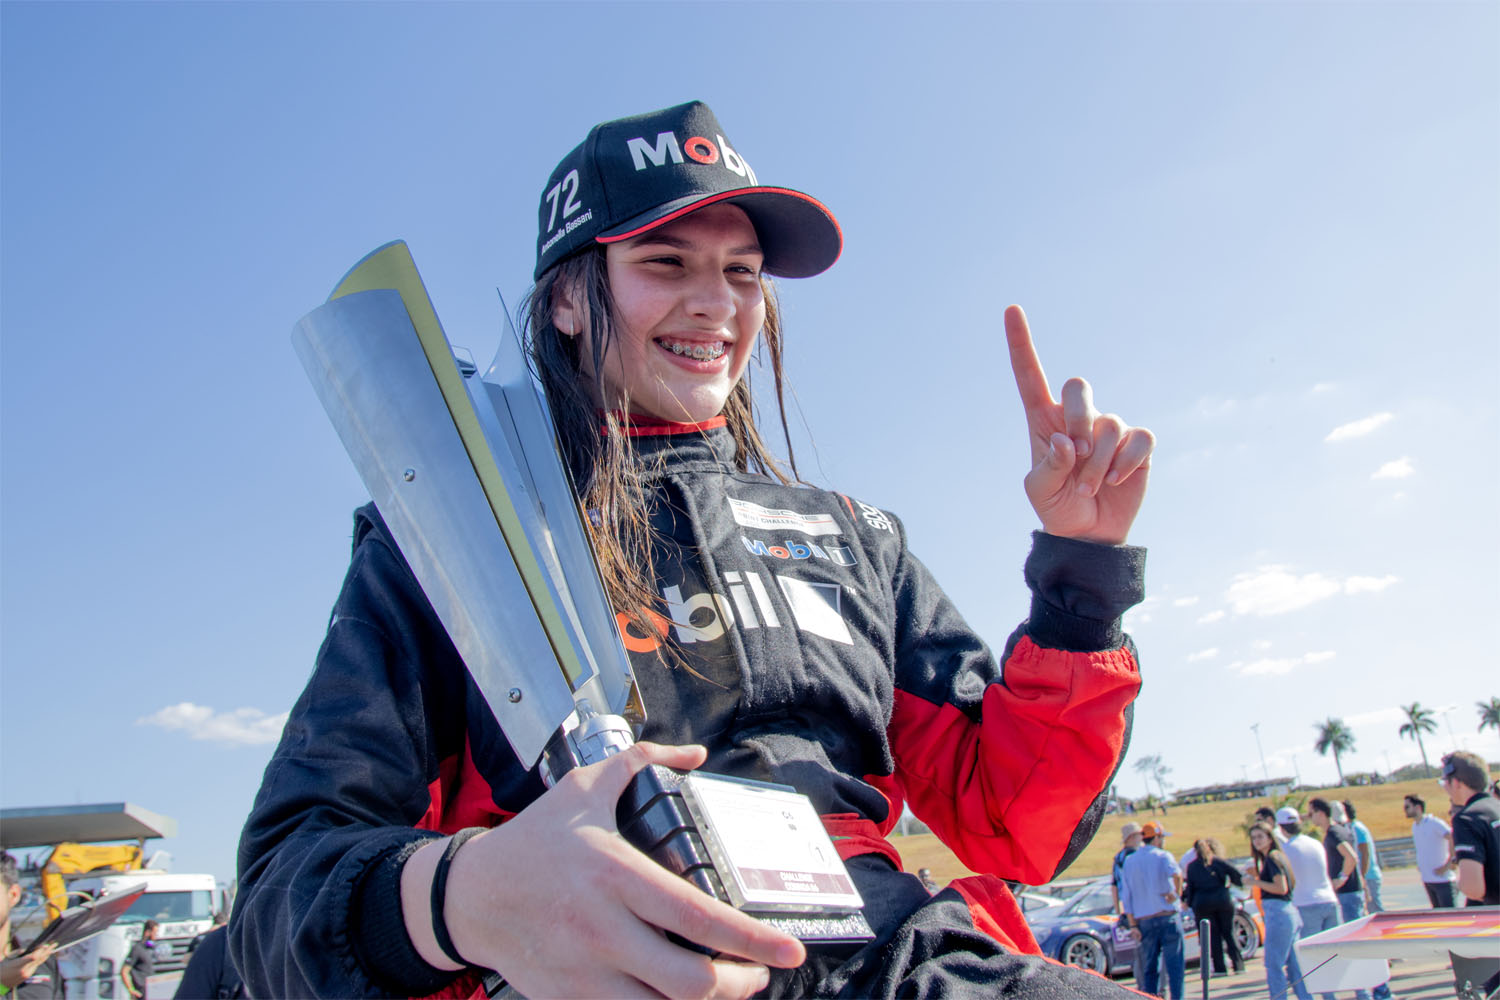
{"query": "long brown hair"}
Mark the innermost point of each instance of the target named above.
(1274, 854)
(609, 480)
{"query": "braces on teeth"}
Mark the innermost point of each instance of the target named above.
(699, 352)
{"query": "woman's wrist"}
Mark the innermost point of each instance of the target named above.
(416, 903)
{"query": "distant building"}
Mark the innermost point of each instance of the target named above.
(1272, 789)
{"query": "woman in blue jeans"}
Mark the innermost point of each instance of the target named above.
(1272, 875)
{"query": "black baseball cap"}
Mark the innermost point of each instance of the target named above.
(633, 174)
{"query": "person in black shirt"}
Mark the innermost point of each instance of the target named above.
(1476, 828)
(1207, 892)
(140, 965)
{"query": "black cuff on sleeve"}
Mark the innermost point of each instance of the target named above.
(379, 933)
(1080, 589)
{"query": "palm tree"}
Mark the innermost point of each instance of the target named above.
(1334, 735)
(1489, 713)
(1418, 721)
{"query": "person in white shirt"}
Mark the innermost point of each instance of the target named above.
(1433, 839)
(1312, 892)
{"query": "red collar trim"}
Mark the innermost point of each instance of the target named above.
(647, 427)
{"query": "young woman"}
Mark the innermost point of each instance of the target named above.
(1206, 890)
(1271, 873)
(778, 632)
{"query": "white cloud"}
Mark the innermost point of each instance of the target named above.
(1184, 602)
(1261, 645)
(1211, 617)
(1277, 666)
(1397, 469)
(1368, 584)
(1358, 428)
(1275, 590)
(242, 726)
(1324, 386)
(1203, 654)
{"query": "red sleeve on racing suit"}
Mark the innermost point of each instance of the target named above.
(1008, 766)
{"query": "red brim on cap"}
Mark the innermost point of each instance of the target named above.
(798, 234)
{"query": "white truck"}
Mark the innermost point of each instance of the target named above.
(181, 905)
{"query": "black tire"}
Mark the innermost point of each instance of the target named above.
(1246, 936)
(1085, 952)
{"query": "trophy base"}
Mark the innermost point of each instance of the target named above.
(791, 878)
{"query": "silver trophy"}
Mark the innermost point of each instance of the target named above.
(467, 474)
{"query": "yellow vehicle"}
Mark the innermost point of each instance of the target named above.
(77, 859)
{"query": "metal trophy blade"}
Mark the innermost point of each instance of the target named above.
(467, 474)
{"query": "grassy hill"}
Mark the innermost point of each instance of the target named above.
(1379, 808)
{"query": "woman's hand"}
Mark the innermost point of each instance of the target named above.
(1088, 470)
(557, 902)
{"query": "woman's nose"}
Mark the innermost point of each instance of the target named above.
(711, 298)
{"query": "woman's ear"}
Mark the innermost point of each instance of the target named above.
(567, 314)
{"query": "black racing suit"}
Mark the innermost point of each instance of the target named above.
(822, 656)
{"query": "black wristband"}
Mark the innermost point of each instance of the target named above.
(440, 893)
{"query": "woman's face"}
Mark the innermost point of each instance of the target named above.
(1260, 841)
(688, 307)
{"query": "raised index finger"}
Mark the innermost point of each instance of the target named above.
(1030, 379)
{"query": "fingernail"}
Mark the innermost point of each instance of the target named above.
(763, 980)
(1085, 490)
(1113, 479)
(1081, 446)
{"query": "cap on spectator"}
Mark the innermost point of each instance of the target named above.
(1286, 814)
(1151, 831)
(1129, 830)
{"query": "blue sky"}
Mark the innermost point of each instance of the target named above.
(1270, 232)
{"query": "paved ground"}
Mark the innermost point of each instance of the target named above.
(1409, 980)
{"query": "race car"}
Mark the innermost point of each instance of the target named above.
(1084, 931)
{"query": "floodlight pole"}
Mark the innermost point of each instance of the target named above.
(1255, 728)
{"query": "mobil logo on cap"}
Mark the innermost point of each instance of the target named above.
(645, 153)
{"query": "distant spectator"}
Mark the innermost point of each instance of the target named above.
(925, 874)
(1130, 842)
(1433, 839)
(1343, 869)
(1206, 890)
(22, 974)
(1271, 873)
(1369, 859)
(1151, 885)
(140, 965)
(1476, 829)
(1312, 892)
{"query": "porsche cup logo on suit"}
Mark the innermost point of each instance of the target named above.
(839, 555)
(753, 515)
(644, 153)
(816, 608)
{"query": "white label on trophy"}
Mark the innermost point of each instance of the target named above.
(770, 844)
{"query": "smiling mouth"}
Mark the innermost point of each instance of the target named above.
(695, 351)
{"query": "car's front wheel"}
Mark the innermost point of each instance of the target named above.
(1085, 952)
(1246, 937)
